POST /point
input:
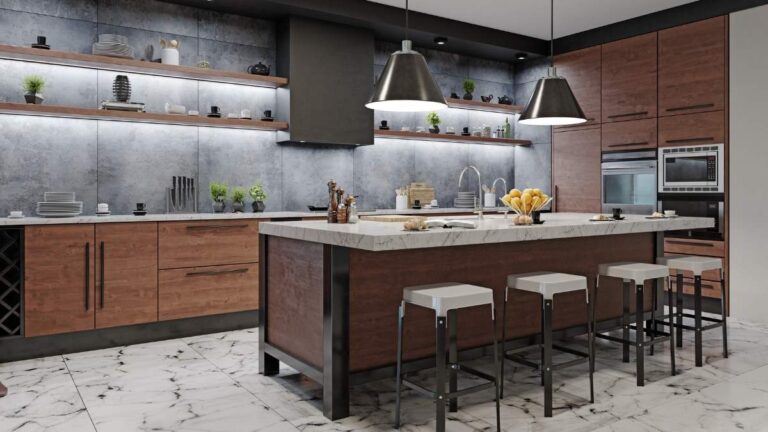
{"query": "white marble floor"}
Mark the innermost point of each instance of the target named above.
(211, 383)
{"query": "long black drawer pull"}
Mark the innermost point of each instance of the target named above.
(690, 284)
(629, 144)
(685, 140)
(685, 243)
(628, 114)
(101, 270)
(217, 272)
(691, 107)
(87, 275)
(215, 227)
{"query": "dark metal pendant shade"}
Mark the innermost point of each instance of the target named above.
(552, 104)
(406, 84)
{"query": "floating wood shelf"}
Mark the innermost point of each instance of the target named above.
(137, 117)
(425, 136)
(483, 106)
(64, 58)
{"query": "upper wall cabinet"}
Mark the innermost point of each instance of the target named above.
(692, 67)
(582, 70)
(629, 79)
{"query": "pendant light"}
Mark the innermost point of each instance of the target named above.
(553, 102)
(406, 84)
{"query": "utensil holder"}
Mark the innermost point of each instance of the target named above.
(187, 205)
(401, 202)
(489, 199)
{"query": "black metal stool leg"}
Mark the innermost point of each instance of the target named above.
(679, 310)
(590, 336)
(440, 375)
(503, 341)
(547, 359)
(652, 327)
(625, 324)
(496, 364)
(671, 330)
(723, 313)
(453, 360)
(697, 319)
(639, 335)
(399, 377)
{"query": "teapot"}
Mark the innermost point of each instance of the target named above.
(486, 98)
(259, 69)
(505, 100)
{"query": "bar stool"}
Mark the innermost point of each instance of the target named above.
(445, 299)
(638, 274)
(547, 285)
(696, 265)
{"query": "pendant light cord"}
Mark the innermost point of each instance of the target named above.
(551, 33)
(406, 20)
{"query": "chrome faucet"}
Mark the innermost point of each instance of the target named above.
(478, 199)
(493, 186)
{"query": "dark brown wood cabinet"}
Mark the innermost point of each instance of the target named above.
(206, 243)
(58, 279)
(576, 170)
(582, 69)
(629, 69)
(126, 274)
(692, 67)
(629, 135)
(692, 129)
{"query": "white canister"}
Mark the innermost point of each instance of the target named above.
(169, 56)
(401, 202)
(489, 199)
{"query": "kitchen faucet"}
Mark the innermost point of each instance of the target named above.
(493, 187)
(479, 189)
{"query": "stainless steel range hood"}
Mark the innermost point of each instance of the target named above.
(330, 79)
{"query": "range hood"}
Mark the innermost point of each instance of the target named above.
(330, 79)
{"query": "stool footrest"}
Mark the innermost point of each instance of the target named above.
(654, 341)
(476, 373)
(716, 324)
(423, 390)
(522, 361)
(703, 318)
(582, 357)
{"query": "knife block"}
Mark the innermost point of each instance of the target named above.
(186, 204)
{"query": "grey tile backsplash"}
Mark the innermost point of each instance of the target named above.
(125, 163)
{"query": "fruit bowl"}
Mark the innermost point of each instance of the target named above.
(524, 203)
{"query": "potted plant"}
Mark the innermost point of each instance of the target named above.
(469, 88)
(218, 195)
(238, 200)
(33, 86)
(434, 120)
(259, 196)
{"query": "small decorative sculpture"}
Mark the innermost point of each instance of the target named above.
(121, 88)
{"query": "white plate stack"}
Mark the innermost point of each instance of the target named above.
(465, 200)
(59, 204)
(112, 45)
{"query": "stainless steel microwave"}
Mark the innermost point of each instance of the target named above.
(692, 169)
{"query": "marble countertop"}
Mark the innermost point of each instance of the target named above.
(383, 236)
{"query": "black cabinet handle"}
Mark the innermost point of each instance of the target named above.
(217, 272)
(554, 199)
(101, 270)
(629, 144)
(87, 275)
(691, 107)
(687, 243)
(628, 114)
(214, 227)
(686, 140)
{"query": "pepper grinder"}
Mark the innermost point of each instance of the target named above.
(333, 205)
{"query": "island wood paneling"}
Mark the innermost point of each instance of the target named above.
(378, 278)
(206, 243)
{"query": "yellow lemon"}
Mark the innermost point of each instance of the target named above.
(515, 193)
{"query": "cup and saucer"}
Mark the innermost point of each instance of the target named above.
(267, 116)
(215, 112)
(141, 209)
(102, 209)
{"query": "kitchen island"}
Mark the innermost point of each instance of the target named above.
(329, 293)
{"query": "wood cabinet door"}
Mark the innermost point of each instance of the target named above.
(630, 135)
(629, 79)
(206, 243)
(58, 279)
(692, 129)
(582, 69)
(126, 274)
(576, 170)
(692, 67)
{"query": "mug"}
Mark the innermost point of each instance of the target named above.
(141, 207)
(670, 212)
(268, 113)
(465, 130)
(214, 109)
(41, 40)
(383, 123)
(102, 207)
(616, 213)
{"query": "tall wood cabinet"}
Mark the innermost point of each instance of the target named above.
(576, 170)
(582, 69)
(629, 79)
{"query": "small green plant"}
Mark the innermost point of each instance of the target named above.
(257, 192)
(33, 84)
(433, 119)
(469, 86)
(238, 195)
(219, 191)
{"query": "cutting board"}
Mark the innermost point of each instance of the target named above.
(422, 192)
(387, 218)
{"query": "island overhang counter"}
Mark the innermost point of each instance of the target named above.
(330, 292)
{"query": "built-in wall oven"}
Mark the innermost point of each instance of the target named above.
(692, 169)
(697, 205)
(629, 182)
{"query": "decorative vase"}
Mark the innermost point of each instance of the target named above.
(467, 96)
(258, 206)
(169, 52)
(218, 206)
(434, 129)
(121, 88)
(33, 98)
(238, 207)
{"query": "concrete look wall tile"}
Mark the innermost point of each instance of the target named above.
(68, 86)
(240, 158)
(494, 162)
(136, 162)
(233, 57)
(150, 15)
(140, 40)
(31, 162)
(73, 9)
(537, 134)
(22, 29)
(153, 91)
(531, 70)
(439, 164)
(380, 169)
(237, 29)
(445, 62)
(306, 170)
(533, 167)
(382, 51)
(491, 70)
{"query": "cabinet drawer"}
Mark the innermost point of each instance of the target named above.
(200, 291)
(197, 244)
(692, 129)
(681, 246)
(709, 289)
(629, 135)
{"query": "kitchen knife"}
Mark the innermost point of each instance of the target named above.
(184, 192)
(173, 193)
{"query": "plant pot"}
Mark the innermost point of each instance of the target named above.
(434, 129)
(258, 206)
(218, 206)
(238, 207)
(467, 96)
(33, 98)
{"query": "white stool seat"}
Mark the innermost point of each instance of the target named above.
(547, 284)
(637, 272)
(442, 297)
(695, 264)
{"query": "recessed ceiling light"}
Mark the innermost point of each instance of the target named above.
(440, 40)
(521, 56)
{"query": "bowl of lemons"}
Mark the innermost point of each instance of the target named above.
(524, 203)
